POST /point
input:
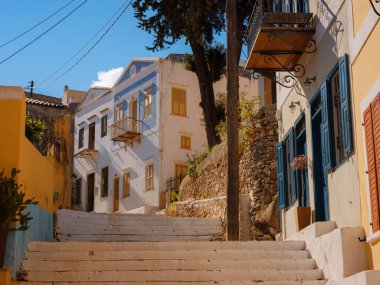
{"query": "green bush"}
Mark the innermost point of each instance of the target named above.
(194, 160)
(13, 203)
(34, 128)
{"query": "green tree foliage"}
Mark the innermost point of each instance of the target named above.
(34, 128)
(197, 22)
(216, 60)
(13, 203)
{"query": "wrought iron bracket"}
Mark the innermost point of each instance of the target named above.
(374, 6)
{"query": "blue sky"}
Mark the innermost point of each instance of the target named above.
(41, 59)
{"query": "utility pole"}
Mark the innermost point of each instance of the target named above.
(31, 87)
(232, 124)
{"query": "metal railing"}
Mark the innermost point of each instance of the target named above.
(279, 18)
(124, 126)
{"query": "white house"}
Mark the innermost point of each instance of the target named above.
(132, 138)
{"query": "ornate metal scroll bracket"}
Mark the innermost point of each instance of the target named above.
(375, 6)
(297, 70)
(287, 81)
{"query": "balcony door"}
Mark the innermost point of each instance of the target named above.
(90, 192)
(133, 115)
(91, 136)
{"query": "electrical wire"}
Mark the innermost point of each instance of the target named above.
(44, 33)
(88, 42)
(92, 47)
(36, 25)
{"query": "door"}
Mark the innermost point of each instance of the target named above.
(91, 136)
(116, 193)
(90, 192)
(320, 177)
(302, 174)
(133, 115)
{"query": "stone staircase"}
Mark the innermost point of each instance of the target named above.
(83, 226)
(90, 255)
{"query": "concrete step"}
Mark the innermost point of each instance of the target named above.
(163, 264)
(168, 255)
(303, 282)
(177, 275)
(125, 237)
(167, 246)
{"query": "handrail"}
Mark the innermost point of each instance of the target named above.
(124, 125)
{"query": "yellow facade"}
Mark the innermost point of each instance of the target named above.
(17, 151)
(365, 73)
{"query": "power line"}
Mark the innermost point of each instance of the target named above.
(92, 47)
(44, 33)
(88, 42)
(35, 26)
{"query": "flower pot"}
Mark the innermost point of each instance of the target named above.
(3, 243)
(303, 217)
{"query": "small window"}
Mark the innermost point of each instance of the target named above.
(148, 105)
(185, 142)
(104, 126)
(149, 177)
(180, 173)
(104, 185)
(81, 138)
(126, 184)
(179, 102)
(119, 112)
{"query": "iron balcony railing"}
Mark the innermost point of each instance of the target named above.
(125, 128)
(283, 16)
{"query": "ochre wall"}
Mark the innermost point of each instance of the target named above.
(360, 10)
(365, 74)
(37, 174)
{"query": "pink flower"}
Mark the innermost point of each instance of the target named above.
(299, 162)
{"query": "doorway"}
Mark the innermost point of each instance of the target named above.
(321, 197)
(116, 193)
(90, 192)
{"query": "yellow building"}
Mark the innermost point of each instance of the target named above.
(364, 34)
(43, 177)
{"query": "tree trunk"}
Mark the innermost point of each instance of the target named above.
(207, 93)
(232, 124)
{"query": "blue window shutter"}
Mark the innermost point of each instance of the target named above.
(345, 104)
(292, 172)
(281, 183)
(325, 129)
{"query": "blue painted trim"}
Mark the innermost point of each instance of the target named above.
(41, 229)
(135, 85)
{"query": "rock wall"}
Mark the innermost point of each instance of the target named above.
(258, 177)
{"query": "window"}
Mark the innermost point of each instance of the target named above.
(336, 116)
(149, 177)
(81, 138)
(148, 105)
(104, 126)
(185, 142)
(179, 102)
(286, 176)
(119, 112)
(91, 136)
(104, 185)
(372, 140)
(180, 173)
(126, 184)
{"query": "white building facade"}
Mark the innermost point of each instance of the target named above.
(132, 138)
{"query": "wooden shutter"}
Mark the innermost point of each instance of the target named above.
(292, 172)
(371, 164)
(281, 177)
(325, 129)
(344, 84)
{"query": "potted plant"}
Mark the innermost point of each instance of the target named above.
(303, 213)
(12, 209)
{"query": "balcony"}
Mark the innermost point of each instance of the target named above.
(277, 40)
(126, 130)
